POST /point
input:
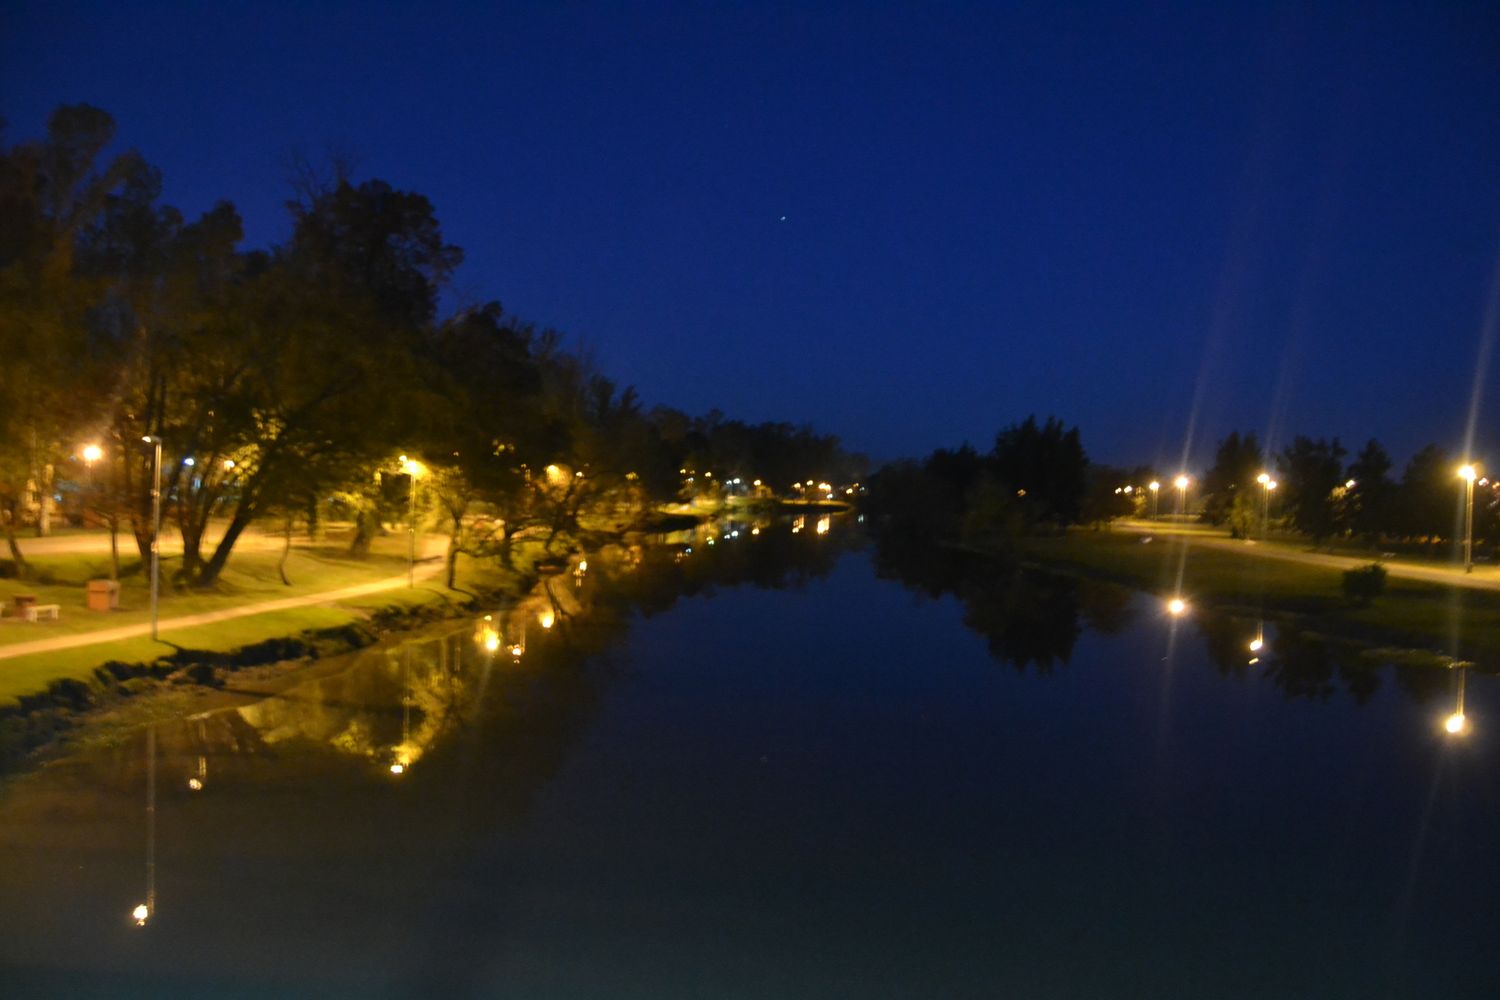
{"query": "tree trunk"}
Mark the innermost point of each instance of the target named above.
(215, 565)
(23, 569)
(286, 550)
(114, 548)
(359, 545)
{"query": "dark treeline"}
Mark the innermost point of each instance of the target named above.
(279, 379)
(1323, 492)
(1036, 478)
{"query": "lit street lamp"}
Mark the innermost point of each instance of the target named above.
(413, 470)
(1153, 486)
(1267, 484)
(155, 442)
(1468, 474)
(1181, 482)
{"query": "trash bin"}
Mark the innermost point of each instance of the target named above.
(104, 595)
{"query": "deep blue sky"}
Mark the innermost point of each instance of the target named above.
(1291, 216)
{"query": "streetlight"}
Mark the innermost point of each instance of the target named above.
(155, 442)
(1181, 482)
(1153, 486)
(413, 469)
(1468, 474)
(1267, 484)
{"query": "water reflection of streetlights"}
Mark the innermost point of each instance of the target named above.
(1458, 723)
(145, 911)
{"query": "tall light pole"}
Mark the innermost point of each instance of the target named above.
(1181, 482)
(1267, 484)
(155, 442)
(1468, 474)
(413, 469)
(1153, 486)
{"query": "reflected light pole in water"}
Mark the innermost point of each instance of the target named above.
(145, 911)
(1468, 474)
(1457, 724)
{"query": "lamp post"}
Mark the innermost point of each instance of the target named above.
(1267, 484)
(1153, 486)
(1181, 482)
(155, 442)
(1468, 474)
(413, 469)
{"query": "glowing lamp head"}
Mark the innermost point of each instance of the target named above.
(398, 768)
(1456, 723)
(1177, 607)
(547, 619)
(92, 453)
(1181, 482)
(412, 467)
(491, 641)
(1271, 484)
(141, 914)
(1257, 644)
(1263, 478)
(1349, 484)
(1468, 473)
(1153, 486)
(195, 784)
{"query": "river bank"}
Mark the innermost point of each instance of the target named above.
(1414, 620)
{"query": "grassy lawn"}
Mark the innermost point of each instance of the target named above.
(250, 578)
(1414, 614)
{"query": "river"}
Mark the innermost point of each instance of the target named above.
(775, 761)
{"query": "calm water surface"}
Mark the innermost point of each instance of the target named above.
(768, 767)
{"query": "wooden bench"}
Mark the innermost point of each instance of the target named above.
(36, 612)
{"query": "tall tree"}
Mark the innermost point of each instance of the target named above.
(1045, 466)
(1371, 500)
(1237, 461)
(1310, 472)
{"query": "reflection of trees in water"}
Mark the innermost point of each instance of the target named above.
(506, 694)
(1032, 618)
(1028, 617)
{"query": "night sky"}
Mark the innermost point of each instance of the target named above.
(909, 225)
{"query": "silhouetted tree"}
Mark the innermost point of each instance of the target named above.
(1370, 502)
(1046, 468)
(1237, 461)
(1310, 471)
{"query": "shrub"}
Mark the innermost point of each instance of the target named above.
(1364, 583)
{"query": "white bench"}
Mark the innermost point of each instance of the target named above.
(36, 612)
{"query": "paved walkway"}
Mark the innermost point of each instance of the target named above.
(55, 643)
(1483, 577)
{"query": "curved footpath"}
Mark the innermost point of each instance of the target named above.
(61, 642)
(1483, 578)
